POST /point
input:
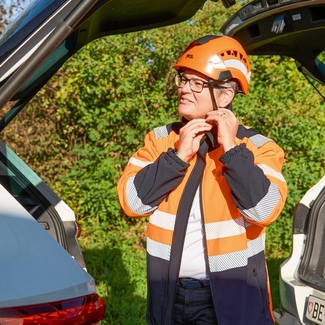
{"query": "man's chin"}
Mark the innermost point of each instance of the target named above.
(185, 112)
(187, 117)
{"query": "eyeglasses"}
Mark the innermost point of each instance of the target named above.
(196, 85)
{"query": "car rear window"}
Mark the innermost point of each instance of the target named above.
(26, 22)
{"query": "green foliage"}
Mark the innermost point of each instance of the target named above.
(273, 265)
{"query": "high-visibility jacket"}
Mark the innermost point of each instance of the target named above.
(241, 192)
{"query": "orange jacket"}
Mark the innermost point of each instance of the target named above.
(242, 191)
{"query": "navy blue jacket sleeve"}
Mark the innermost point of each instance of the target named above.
(155, 181)
(246, 180)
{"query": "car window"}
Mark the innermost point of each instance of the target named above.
(25, 23)
(26, 16)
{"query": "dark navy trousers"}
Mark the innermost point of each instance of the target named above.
(194, 306)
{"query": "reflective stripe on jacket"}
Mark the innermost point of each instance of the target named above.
(242, 191)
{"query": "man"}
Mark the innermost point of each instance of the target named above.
(210, 187)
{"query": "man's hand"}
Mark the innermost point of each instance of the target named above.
(227, 126)
(190, 136)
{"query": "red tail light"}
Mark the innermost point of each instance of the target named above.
(88, 310)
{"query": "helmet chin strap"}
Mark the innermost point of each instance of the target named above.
(211, 88)
(214, 102)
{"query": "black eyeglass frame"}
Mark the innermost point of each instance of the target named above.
(181, 78)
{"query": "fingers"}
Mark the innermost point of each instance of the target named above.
(196, 127)
(227, 127)
(192, 133)
(215, 116)
(190, 136)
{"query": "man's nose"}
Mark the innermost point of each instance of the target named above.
(186, 88)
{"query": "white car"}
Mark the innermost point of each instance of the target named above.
(302, 280)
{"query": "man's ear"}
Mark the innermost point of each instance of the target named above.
(226, 97)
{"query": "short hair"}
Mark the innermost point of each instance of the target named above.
(230, 83)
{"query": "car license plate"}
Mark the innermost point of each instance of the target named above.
(315, 310)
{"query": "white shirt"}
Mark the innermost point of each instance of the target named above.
(193, 263)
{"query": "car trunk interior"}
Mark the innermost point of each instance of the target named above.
(312, 266)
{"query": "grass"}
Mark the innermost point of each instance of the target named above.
(274, 268)
(117, 261)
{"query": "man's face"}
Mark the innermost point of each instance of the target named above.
(194, 105)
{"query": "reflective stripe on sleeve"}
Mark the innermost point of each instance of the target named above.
(271, 172)
(138, 162)
(134, 201)
(264, 208)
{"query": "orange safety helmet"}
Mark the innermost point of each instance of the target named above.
(219, 58)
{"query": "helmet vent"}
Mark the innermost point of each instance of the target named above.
(235, 54)
(224, 75)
